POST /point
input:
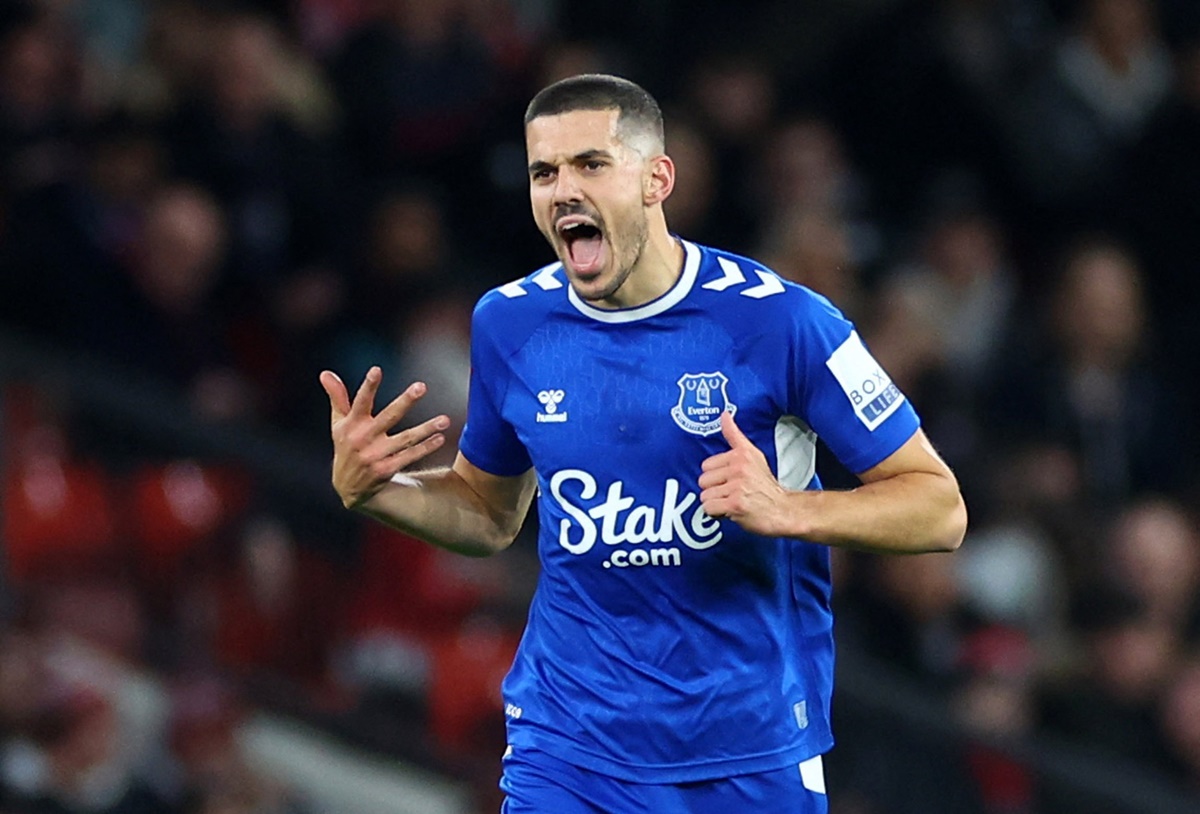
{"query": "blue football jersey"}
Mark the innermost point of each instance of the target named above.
(663, 644)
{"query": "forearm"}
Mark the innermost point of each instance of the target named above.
(440, 507)
(908, 513)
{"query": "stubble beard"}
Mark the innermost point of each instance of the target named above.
(639, 234)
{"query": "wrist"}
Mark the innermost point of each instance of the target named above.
(793, 515)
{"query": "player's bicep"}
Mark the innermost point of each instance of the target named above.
(506, 498)
(914, 455)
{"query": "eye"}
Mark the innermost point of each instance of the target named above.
(543, 174)
(593, 165)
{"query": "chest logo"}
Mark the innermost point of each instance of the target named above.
(702, 399)
(550, 399)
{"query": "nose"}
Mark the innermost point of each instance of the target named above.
(566, 188)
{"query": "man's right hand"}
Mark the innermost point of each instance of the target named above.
(365, 455)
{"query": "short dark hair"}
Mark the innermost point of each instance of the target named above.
(638, 110)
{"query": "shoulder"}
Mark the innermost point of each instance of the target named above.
(745, 289)
(517, 308)
(536, 293)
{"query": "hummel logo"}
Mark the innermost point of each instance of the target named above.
(551, 399)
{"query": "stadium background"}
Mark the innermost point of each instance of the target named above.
(203, 204)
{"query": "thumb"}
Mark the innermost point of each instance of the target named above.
(732, 432)
(339, 398)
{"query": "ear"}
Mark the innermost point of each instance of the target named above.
(659, 180)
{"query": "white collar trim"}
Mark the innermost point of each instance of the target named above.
(682, 287)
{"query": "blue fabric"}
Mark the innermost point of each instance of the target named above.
(663, 645)
(539, 784)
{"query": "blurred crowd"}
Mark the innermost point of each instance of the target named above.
(224, 198)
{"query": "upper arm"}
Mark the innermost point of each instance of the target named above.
(838, 388)
(506, 498)
(914, 455)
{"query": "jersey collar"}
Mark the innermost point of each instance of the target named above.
(687, 278)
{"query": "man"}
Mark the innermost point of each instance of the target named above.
(663, 400)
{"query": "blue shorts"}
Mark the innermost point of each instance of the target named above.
(536, 783)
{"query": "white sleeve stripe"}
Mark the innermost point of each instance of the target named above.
(795, 452)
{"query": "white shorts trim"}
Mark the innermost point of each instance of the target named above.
(812, 774)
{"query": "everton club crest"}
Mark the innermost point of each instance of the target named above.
(702, 399)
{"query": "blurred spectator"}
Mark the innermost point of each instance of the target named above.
(417, 85)
(1109, 702)
(991, 45)
(165, 320)
(1179, 717)
(812, 247)
(732, 99)
(1012, 575)
(87, 770)
(963, 267)
(909, 612)
(816, 229)
(110, 35)
(40, 110)
(1090, 384)
(209, 771)
(920, 89)
(996, 704)
(1154, 551)
(805, 169)
(1089, 104)
(275, 611)
(277, 182)
(69, 245)
(940, 319)
(170, 64)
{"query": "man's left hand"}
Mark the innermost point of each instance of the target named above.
(739, 484)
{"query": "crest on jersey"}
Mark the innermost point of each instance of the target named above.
(702, 399)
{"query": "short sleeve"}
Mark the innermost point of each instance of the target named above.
(489, 441)
(842, 392)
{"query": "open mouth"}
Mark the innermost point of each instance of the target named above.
(584, 241)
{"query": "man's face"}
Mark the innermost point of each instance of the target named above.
(586, 186)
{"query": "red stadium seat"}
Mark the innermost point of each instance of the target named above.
(465, 705)
(58, 515)
(179, 506)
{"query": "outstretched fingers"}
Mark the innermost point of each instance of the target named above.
(339, 397)
(364, 399)
(398, 407)
(411, 445)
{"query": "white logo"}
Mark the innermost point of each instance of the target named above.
(551, 399)
(868, 388)
(800, 710)
(621, 520)
(702, 399)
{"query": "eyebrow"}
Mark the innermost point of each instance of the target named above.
(578, 158)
